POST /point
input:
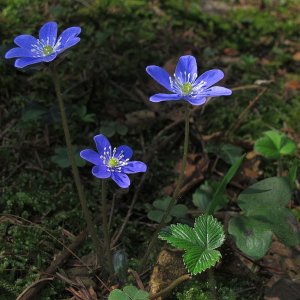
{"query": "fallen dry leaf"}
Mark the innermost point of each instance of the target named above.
(296, 56)
(292, 85)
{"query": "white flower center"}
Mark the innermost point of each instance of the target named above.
(186, 84)
(111, 161)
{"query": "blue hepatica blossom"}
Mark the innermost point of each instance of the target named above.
(112, 162)
(44, 49)
(186, 84)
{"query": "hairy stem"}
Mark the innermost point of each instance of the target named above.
(81, 194)
(106, 234)
(176, 192)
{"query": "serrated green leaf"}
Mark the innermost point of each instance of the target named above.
(251, 236)
(199, 242)
(182, 237)
(275, 144)
(198, 261)
(209, 231)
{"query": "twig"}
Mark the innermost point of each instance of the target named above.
(170, 287)
(129, 212)
(137, 278)
(39, 282)
(241, 117)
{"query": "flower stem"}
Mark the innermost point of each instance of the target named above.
(81, 194)
(106, 234)
(176, 192)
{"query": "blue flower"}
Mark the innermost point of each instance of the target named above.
(45, 48)
(186, 84)
(112, 163)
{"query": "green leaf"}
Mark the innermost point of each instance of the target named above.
(129, 292)
(179, 211)
(263, 205)
(161, 205)
(108, 129)
(121, 129)
(293, 174)
(199, 242)
(274, 145)
(134, 293)
(61, 157)
(218, 196)
(156, 216)
(272, 192)
(33, 113)
(202, 196)
(251, 236)
(227, 152)
(118, 295)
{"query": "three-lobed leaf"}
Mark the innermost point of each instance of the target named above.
(274, 144)
(199, 243)
(160, 206)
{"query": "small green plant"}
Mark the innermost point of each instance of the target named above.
(129, 292)
(199, 243)
(274, 145)
(160, 206)
(83, 115)
(111, 128)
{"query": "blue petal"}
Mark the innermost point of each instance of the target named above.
(26, 61)
(198, 100)
(68, 34)
(91, 156)
(186, 65)
(165, 97)
(49, 57)
(69, 44)
(18, 52)
(102, 143)
(216, 91)
(48, 33)
(125, 150)
(210, 77)
(122, 180)
(160, 75)
(134, 167)
(101, 172)
(25, 41)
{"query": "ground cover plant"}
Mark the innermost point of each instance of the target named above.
(213, 210)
